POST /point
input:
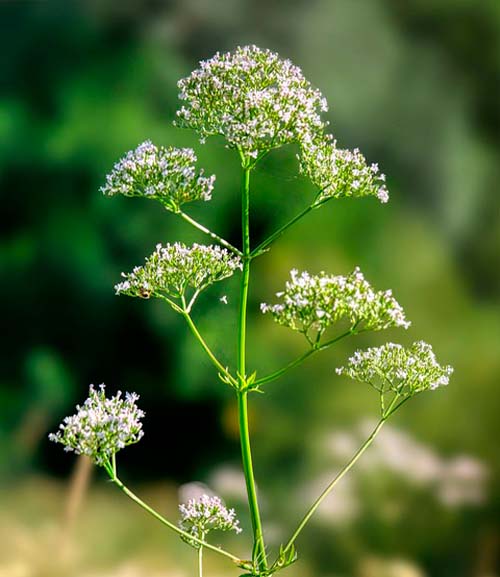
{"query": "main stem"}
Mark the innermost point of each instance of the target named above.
(246, 454)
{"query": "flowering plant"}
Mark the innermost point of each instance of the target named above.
(257, 102)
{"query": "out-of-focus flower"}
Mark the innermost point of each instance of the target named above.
(101, 426)
(164, 174)
(311, 303)
(454, 482)
(205, 514)
(340, 173)
(174, 268)
(253, 98)
(392, 367)
(229, 481)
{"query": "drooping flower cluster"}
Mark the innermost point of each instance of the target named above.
(205, 514)
(311, 303)
(174, 268)
(101, 426)
(340, 173)
(253, 98)
(392, 367)
(164, 174)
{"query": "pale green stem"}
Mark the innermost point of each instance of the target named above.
(223, 370)
(276, 374)
(329, 488)
(200, 560)
(246, 454)
(211, 234)
(264, 244)
(164, 521)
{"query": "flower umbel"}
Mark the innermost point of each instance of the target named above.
(397, 369)
(200, 516)
(164, 174)
(101, 426)
(340, 173)
(311, 303)
(174, 268)
(253, 98)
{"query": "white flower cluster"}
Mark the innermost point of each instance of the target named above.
(455, 481)
(311, 303)
(101, 426)
(202, 515)
(340, 173)
(253, 98)
(392, 367)
(174, 268)
(164, 174)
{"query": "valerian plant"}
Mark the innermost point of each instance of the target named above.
(257, 102)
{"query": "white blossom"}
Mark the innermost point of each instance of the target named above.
(204, 514)
(164, 174)
(340, 173)
(174, 268)
(101, 426)
(311, 303)
(392, 367)
(253, 98)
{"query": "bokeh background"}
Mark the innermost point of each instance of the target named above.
(416, 85)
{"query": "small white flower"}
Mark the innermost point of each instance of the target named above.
(340, 173)
(311, 303)
(223, 299)
(164, 174)
(101, 426)
(204, 514)
(174, 269)
(392, 367)
(253, 98)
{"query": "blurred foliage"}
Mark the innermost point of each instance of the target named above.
(415, 85)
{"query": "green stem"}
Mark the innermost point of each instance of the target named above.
(211, 234)
(276, 374)
(246, 454)
(264, 244)
(170, 525)
(223, 370)
(200, 561)
(336, 479)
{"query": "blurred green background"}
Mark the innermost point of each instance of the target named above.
(416, 85)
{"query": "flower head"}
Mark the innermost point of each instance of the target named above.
(392, 367)
(311, 303)
(101, 426)
(174, 268)
(253, 98)
(164, 174)
(339, 173)
(205, 514)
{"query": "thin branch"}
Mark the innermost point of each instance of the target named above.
(211, 234)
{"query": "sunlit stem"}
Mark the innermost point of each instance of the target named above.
(246, 454)
(222, 370)
(264, 244)
(339, 476)
(276, 374)
(114, 478)
(211, 234)
(200, 559)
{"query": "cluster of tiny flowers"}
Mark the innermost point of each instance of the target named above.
(202, 515)
(253, 98)
(311, 303)
(164, 174)
(101, 426)
(340, 173)
(392, 367)
(174, 268)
